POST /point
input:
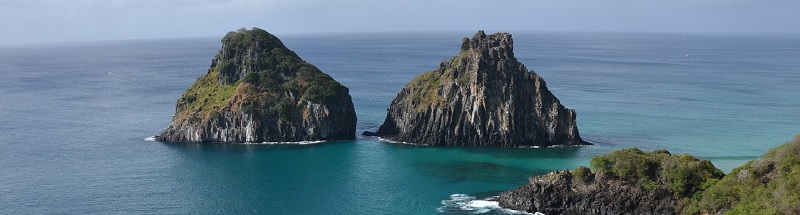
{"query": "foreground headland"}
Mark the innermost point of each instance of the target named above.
(631, 181)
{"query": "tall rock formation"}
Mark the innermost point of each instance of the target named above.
(482, 97)
(257, 90)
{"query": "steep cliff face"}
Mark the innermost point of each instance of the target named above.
(482, 97)
(257, 90)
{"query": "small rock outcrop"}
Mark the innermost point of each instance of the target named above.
(257, 90)
(482, 97)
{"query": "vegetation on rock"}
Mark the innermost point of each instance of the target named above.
(204, 97)
(254, 77)
(684, 176)
(429, 83)
(279, 71)
(768, 185)
(481, 97)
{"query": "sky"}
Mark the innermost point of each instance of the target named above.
(54, 21)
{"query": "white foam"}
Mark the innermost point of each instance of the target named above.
(483, 204)
(153, 139)
(522, 147)
(460, 203)
(287, 143)
(399, 142)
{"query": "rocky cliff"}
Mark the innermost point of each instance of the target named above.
(482, 97)
(558, 193)
(623, 182)
(257, 90)
(633, 182)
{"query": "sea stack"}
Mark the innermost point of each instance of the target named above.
(481, 97)
(257, 90)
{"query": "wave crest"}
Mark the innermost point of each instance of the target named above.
(287, 143)
(460, 203)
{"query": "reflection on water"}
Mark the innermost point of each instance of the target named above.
(556, 152)
(239, 148)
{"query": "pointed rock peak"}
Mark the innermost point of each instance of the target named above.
(479, 34)
(499, 45)
(481, 41)
(254, 40)
(252, 36)
(244, 51)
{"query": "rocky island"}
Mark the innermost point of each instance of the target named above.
(257, 90)
(481, 97)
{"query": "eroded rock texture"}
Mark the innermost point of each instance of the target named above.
(482, 97)
(558, 193)
(257, 90)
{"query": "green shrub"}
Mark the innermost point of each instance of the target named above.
(252, 78)
(582, 173)
(600, 163)
(283, 109)
(769, 185)
(683, 175)
(247, 109)
(324, 92)
(189, 98)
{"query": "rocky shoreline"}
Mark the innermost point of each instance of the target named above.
(558, 193)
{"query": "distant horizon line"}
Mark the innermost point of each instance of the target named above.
(407, 32)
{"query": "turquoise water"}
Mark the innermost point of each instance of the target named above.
(76, 116)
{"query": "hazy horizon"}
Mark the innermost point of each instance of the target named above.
(51, 21)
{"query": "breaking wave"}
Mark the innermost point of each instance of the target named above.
(288, 143)
(461, 203)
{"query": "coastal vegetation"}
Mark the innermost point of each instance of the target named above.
(204, 97)
(768, 185)
(684, 176)
(428, 84)
(280, 72)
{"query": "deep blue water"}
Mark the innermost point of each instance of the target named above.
(75, 117)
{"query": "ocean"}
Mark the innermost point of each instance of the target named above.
(76, 119)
